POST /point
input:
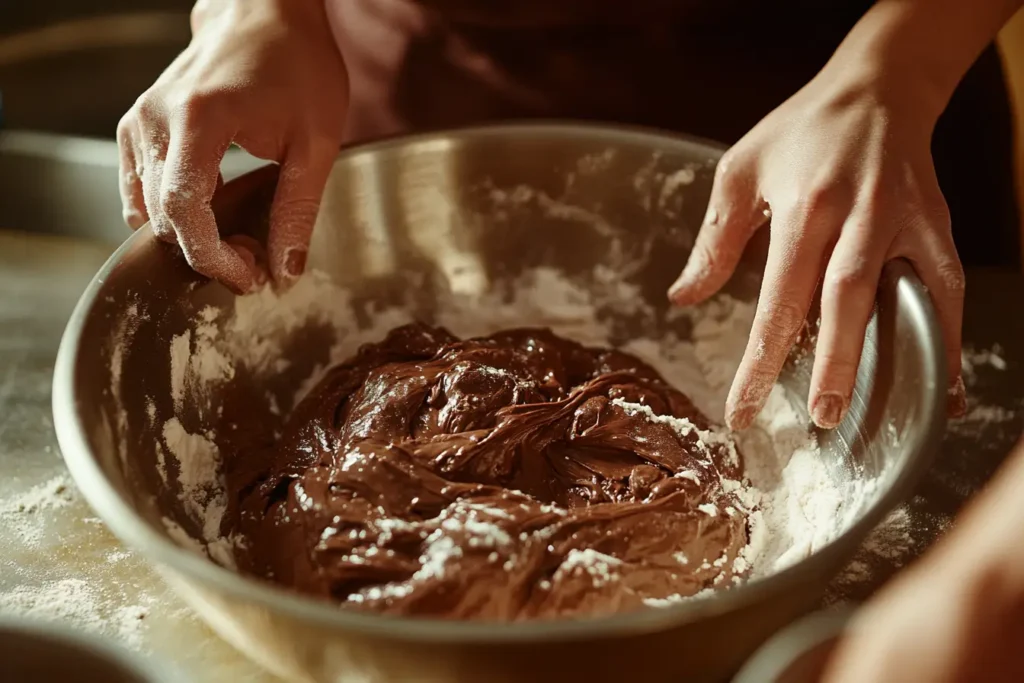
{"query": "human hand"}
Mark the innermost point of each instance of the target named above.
(957, 616)
(844, 171)
(266, 75)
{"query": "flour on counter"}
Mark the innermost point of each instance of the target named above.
(981, 417)
(22, 513)
(77, 602)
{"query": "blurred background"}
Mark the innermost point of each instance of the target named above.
(70, 68)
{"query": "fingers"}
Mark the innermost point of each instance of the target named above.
(151, 150)
(929, 247)
(735, 212)
(133, 202)
(189, 180)
(254, 255)
(296, 203)
(847, 299)
(799, 239)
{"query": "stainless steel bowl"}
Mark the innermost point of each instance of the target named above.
(39, 652)
(422, 207)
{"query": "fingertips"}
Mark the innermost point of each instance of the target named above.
(775, 328)
(791, 274)
(254, 255)
(735, 212)
(152, 149)
(133, 201)
(296, 205)
(847, 300)
(232, 266)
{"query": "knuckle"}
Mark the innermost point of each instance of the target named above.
(951, 275)
(937, 214)
(177, 201)
(197, 107)
(200, 12)
(726, 163)
(854, 275)
(124, 128)
(820, 197)
(728, 169)
(931, 216)
(783, 319)
(147, 108)
(837, 367)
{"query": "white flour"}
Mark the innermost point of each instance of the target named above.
(22, 513)
(982, 419)
(795, 507)
(78, 602)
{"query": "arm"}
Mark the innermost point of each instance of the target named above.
(957, 615)
(919, 50)
(844, 170)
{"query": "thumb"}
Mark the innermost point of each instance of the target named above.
(300, 187)
(735, 212)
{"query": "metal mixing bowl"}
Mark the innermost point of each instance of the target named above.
(421, 210)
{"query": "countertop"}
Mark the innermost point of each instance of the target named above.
(61, 562)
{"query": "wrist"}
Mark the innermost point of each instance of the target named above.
(243, 13)
(876, 66)
(910, 55)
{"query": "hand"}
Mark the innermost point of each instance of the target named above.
(844, 172)
(956, 616)
(266, 75)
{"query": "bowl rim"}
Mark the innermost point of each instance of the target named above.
(136, 532)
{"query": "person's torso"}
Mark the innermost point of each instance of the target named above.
(423, 64)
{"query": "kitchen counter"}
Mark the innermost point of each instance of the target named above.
(974, 446)
(61, 562)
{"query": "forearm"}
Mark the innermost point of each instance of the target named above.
(916, 51)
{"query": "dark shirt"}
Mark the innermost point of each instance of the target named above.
(710, 68)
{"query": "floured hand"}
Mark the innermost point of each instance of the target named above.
(844, 176)
(265, 75)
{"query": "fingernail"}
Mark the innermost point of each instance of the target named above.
(295, 262)
(741, 417)
(827, 410)
(956, 399)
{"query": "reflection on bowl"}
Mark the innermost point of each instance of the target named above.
(412, 220)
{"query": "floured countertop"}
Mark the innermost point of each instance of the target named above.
(60, 562)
